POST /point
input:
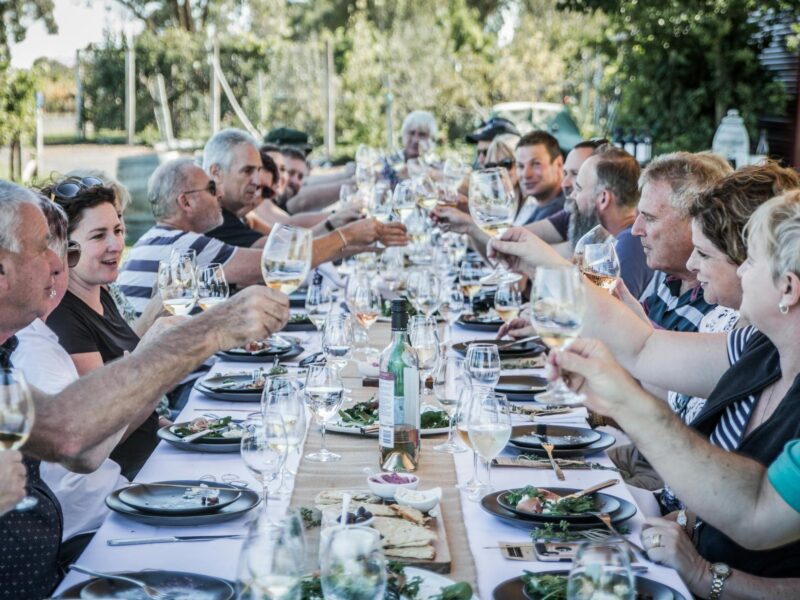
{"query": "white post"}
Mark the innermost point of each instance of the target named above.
(216, 91)
(330, 121)
(130, 88)
(39, 132)
(78, 96)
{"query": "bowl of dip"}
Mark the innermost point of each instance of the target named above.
(423, 500)
(386, 484)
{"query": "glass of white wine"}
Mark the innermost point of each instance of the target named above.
(403, 203)
(557, 307)
(366, 307)
(284, 407)
(425, 341)
(492, 205)
(323, 393)
(469, 279)
(16, 417)
(337, 340)
(601, 265)
(286, 258)
(319, 301)
(507, 301)
(212, 287)
(177, 285)
(489, 429)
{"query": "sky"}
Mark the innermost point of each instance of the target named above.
(80, 22)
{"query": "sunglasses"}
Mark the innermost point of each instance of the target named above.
(68, 190)
(211, 188)
(73, 253)
(267, 192)
(505, 163)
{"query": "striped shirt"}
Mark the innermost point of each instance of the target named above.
(139, 274)
(668, 309)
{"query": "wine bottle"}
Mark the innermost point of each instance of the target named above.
(398, 398)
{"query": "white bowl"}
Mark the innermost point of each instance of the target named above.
(368, 369)
(387, 490)
(426, 502)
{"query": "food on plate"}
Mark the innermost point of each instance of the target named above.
(539, 501)
(399, 534)
(409, 514)
(328, 497)
(364, 414)
(224, 428)
(206, 495)
(554, 587)
(361, 515)
(299, 318)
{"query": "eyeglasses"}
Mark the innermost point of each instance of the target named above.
(73, 253)
(68, 190)
(267, 192)
(211, 188)
(506, 163)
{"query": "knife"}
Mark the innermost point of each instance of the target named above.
(171, 539)
(204, 433)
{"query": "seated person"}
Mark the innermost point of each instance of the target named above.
(12, 480)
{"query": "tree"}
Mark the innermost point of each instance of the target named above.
(16, 16)
(676, 67)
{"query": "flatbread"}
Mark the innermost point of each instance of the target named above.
(409, 514)
(399, 532)
(328, 497)
(426, 552)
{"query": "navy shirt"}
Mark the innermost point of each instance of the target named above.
(547, 210)
(234, 232)
(667, 308)
(633, 262)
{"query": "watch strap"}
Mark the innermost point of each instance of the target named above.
(717, 583)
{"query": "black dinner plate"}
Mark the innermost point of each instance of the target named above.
(228, 395)
(606, 441)
(491, 505)
(478, 324)
(184, 584)
(162, 500)
(262, 355)
(520, 388)
(563, 437)
(530, 348)
(603, 502)
(514, 589)
(245, 503)
(234, 384)
(214, 446)
(303, 324)
(297, 299)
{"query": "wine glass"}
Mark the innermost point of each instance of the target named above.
(425, 193)
(352, 565)
(507, 301)
(493, 205)
(489, 428)
(425, 340)
(323, 393)
(381, 202)
(319, 301)
(263, 450)
(451, 306)
(468, 395)
(337, 339)
(183, 255)
(424, 290)
(601, 265)
(286, 258)
(366, 306)
(469, 278)
(482, 365)
(272, 561)
(16, 418)
(403, 203)
(212, 287)
(448, 380)
(418, 227)
(392, 267)
(177, 285)
(557, 307)
(596, 235)
(601, 570)
(284, 406)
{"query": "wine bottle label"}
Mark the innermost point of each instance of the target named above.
(386, 405)
(411, 391)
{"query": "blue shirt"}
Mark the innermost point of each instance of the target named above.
(784, 474)
(633, 262)
(542, 212)
(667, 308)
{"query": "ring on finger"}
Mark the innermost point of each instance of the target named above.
(654, 541)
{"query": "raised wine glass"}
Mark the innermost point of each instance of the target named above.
(403, 203)
(507, 301)
(212, 287)
(286, 258)
(448, 381)
(489, 429)
(492, 205)
(596, 235)
(469, 279)
(263, 450)
(601, 265)
(482, 365)
(177, 286)
(16, 418)
(323, 394)
(557, 307)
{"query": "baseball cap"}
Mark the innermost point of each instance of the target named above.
(491, 129)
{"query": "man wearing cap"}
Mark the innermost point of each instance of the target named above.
(482, 137)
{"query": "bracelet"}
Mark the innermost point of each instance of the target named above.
(344, 239)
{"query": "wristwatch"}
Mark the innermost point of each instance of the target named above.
(328, 225)
(720, 572)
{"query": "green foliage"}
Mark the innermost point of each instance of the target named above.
(16, 16)
(676, 67)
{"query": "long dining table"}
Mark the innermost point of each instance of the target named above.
(472, 534)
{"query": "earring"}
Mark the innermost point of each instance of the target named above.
(783, 308)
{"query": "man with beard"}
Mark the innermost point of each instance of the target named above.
(606, 193)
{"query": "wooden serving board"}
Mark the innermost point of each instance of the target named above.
(441, 562)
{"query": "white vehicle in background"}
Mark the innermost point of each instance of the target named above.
(549, 116)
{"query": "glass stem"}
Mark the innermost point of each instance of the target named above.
(265, 492)
(322, 447)
(450, 440)
(475, 466)
(489, 474)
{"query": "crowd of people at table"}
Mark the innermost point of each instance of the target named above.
(694, 355)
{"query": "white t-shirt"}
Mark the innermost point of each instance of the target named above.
(47, 366)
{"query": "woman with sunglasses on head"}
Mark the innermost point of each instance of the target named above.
(88, 323)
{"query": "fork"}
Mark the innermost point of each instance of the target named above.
(606, 519)
(149, 591)
(548, 447)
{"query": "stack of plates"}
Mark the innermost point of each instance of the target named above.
(567, 441)
(479, 322)
(232, 388)
(521, 388)
(518, 350)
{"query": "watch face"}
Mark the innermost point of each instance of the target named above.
(721, 569)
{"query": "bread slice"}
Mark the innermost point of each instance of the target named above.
(398, 532)
(409, 514)
(328, 497)
(426, 552)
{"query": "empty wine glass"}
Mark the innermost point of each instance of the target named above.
(557, 307)
(323, 394)
(482, 365)
(284, 406)
(451, 306)
(423, 287)
(337, 339)
(16, 418)
(448, 381)
(286, 258)
(469, 278)
(403, 202)
(493, 205)
(601, 265)
(212, 287)
(601, 570)
(424, 339)
(468, 395)
(352, 565)
(392, 267)
(507, 301)
(177, 285)
(489, 428)
(263, 450)
(319, 301)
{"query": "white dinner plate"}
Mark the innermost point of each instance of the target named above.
(432, 583)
